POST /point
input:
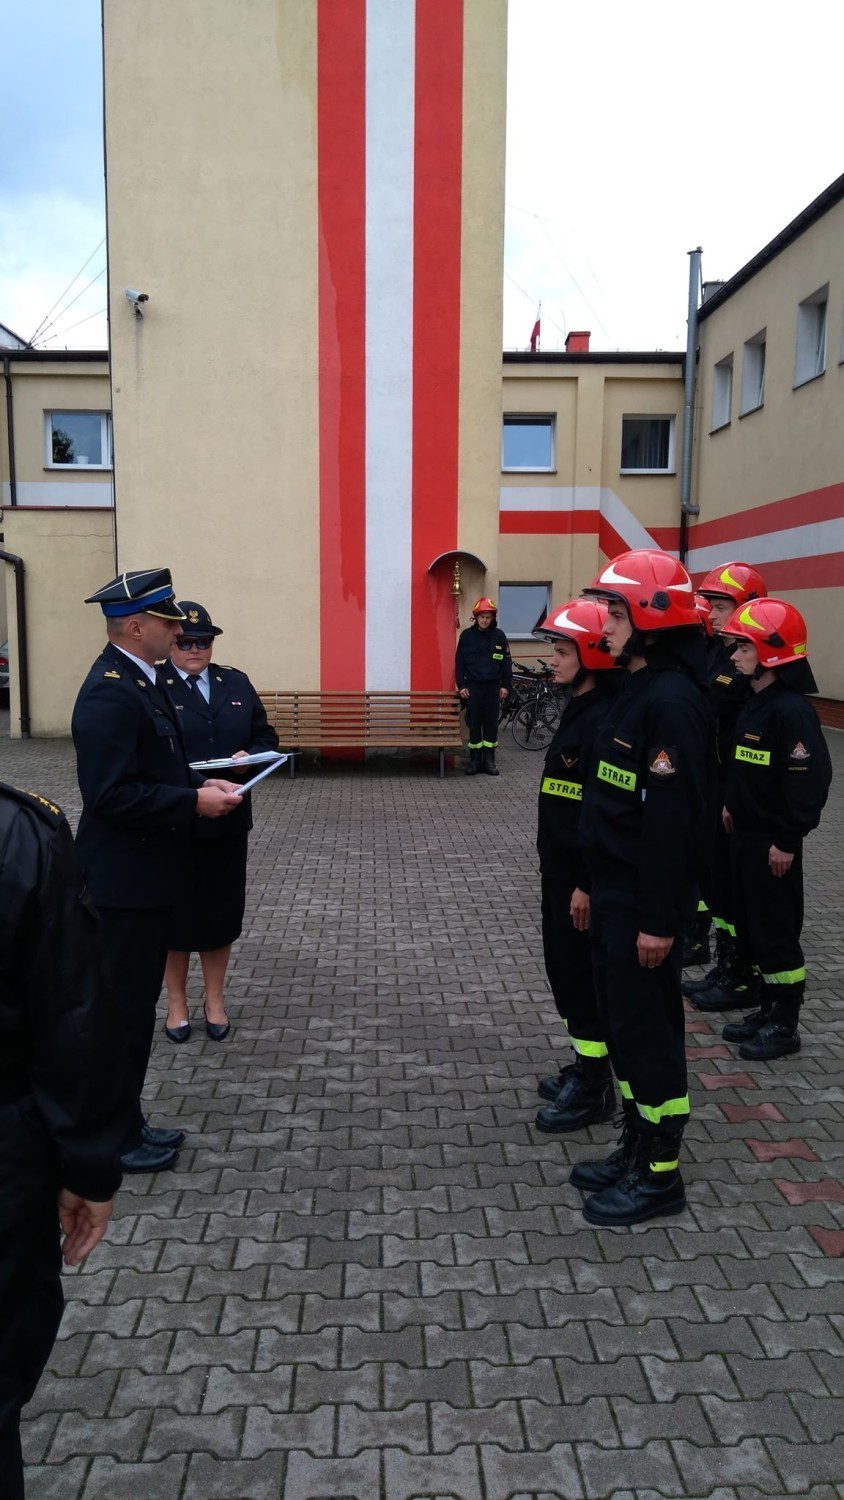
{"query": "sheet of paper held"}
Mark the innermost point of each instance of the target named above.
(247, 787)
(233, 763)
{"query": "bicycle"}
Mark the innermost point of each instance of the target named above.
(533, 708)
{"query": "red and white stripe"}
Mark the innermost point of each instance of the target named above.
(390, 101)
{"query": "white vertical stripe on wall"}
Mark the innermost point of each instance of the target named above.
(390, 66)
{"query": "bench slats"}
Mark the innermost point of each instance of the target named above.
(380, 719)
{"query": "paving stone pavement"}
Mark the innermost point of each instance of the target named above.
(369, 1277)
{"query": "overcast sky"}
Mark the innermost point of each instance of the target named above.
(635, 132)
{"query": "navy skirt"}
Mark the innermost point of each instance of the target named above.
(209, 912)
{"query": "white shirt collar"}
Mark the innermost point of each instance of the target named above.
(202, 676)
(144, 666)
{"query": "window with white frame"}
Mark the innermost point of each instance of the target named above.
(528, 443)
(810, 355)
(722, 393)
(521, 607)
(77, 439)
(753, 373)
(647, 445)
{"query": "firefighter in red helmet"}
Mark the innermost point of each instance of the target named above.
(582, 1092)
(728, 983)
(777, 785)
(642, 830)
(483, 671)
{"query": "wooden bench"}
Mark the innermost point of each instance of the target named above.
(366, 720)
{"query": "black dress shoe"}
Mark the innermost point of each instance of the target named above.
(178, 1033)
(148, 1158)
(217, 1030)
(167, 1138)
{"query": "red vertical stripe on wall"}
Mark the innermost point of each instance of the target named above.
(436, 328)
(341, 129)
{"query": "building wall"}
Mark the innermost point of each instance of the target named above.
(557, 527)
(770, 483)
(317, 218)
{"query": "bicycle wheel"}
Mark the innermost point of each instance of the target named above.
(534, 725)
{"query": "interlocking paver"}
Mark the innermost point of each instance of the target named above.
(368, 1276)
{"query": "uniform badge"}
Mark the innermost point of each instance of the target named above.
(726, 680)
(662, 764)
(193, 616)
(236, 703)
(112, 674)
(799, 752)
(569, 761)
(141, 681)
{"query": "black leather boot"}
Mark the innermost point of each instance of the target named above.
(474, 765)
(549, 1086)
(696, 948)
(743, 1031)
(591, 1176)
(736, 988)
(651, 1188)
(587, 1097)
(489, 766)
(723, 957)
(779, 1036)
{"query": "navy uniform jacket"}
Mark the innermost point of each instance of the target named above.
(780, 771)
(138, 792)
(567, 765)
(62, 1120)
(728, 690)
(234, 719)
(643, 822)
(483, 656)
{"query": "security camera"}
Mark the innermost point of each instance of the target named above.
(135, 297)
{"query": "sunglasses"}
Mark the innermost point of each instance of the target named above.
(195, 643)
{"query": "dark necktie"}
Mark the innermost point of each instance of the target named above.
(193, 684)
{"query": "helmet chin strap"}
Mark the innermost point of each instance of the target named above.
(633, 646)
(759, 671)
(579, 677)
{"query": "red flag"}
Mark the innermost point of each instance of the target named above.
(534, 338)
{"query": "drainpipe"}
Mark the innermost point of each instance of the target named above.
(23, 655)
(686, 507)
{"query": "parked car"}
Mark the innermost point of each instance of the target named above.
(4, 672)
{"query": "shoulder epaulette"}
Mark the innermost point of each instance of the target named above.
(35, 802)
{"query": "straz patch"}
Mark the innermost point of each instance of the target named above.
(754, 757)
(799, 752)
(556, 788)
(664, 763)
(616, 776)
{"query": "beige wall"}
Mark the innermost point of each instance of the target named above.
(39, 387)
(791, 445)
(67, 554)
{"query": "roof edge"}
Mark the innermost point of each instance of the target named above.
(56, 356)
(594, 357)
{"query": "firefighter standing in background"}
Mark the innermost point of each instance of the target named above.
(484, 675)
(582, 1093)
(643, 829)
(729, 983)
(777, 785)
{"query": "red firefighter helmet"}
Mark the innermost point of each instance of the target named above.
(777, 630)
(485, 606)
(581, 621)
(735, 580)
(655, 587)
(702, 607)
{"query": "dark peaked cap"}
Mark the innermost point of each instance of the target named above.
(146, 591)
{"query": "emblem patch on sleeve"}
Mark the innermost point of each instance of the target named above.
(663, 764)
(799, 752)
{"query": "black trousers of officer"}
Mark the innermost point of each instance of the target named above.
(769, 921)
(568, 964)
(31, 1305)
(482, 715)
(135, 943)
(642, 1011)
(716, 882)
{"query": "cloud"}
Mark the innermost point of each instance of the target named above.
(44, 240)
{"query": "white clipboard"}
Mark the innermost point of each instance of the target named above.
(236, 763)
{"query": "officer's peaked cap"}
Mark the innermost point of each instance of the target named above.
(144, 591)
(197, 619)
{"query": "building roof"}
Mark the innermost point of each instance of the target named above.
(594, 357)
(809, 216)
(56, 356)
(11, 340)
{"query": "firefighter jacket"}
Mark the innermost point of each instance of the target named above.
(728, 690)
(643, 821)
(483, 656)
(62, 1111)
(780, 771)
(567, 763)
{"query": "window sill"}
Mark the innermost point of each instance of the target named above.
(78, 468)
(663, 473)
(750, 410)
(808, 380)
(720, 427)
(528, 471)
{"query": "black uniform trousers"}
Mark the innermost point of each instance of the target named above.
(31, 1305)
(136, 943)
(482, 715)
(568, 964)
(769, 921)
(641, 1011)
